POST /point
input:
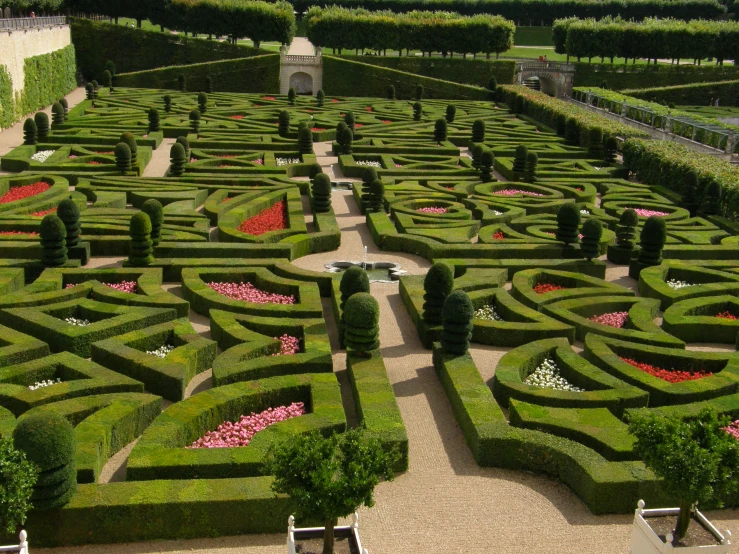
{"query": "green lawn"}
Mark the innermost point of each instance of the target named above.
(533, 36)
(709, 111)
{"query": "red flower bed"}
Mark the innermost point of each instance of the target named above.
(268, 97)
(227, 155)
(498, 235)
(368, 108)
(236, 117)
(334, 100)
(273, 218)
(317, 129)
(543, 288)
(94, 163)
(25, 233)
(42, 213)
(669, 375)
(726, 315)
(18, 193)
(358, 125)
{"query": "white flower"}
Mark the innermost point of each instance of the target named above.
(674, 284)
(368, 164)
(77, 322)
(584, 212)
(42, 384)
(488, 313)
(162, 351)
(547, 376)
(496, 212)
(287, 161)
(42, 155)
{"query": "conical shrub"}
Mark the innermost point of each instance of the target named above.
(626, 229)
(419, 92)
(320, 98)
(321, 192)
(141, 246)
(57, 114)
(456, 321)
(186, 145)
(451, 112)
(130, 140)
(487, 161)
(167, 103)
(417, 111)
(349, 120)
(478, 131)
(305, 140)
(283, 123)
(368, 175)
(532, 161)
(153, 120)
(437, 285)
(202, 102)
(122, 157)
(361, 324)
(376, 196)
(291, 95)
(30, 132)
(440, 130)
(353, 280)
(69, 212)
(153, 208)
(568, 223)
(177, 160)
(181, 83)
(592, 231)
(476, 152)
(390, 92)
(53, 235)
(195, 121)
(711, 203)
(42, 124)
(652, 241)
(572, 132)
(519, 160)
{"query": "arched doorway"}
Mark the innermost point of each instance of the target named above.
(302, 82)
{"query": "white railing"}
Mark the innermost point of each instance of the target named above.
(21, 23)
(21, 548)
(545, 66)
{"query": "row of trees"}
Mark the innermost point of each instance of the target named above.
(21, 6)
(417, 30)
(650, 39)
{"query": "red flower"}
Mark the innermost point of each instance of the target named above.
(669, 375)
(317, 129)
(498, 235)
(227, 155)
(358, 125)
(368, 108)
(386, 121)
(94, 163)
(42, 213)
(26, 233)
(334, 100)
(268, 97)
(236, 116)
(726, 315)
(543, 288)
(273, 218)
(24, 191)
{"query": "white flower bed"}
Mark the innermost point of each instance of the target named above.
(162, 351)
(547, 376)
(369, 164)
(584, 212)
(496, 212)
(488, 313)
(42, 155)
(287, 161)
(674, 284)
(77, 322)
(42, 384)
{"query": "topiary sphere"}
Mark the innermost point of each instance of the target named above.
(592, 231)
(568, 223)
(349, 120)
(52, 228)
(521, 152)
(314, 169)
(30, 132)
(487, 159)
(456, 317)
(369, 174)
(122, 157)
(437, 285)
(321, 192)
(47, 439)
(377, 188)
(477, 151)
(185, 144)
(362, 311)
(354, 280)
(177, 152)
(440, 130)
(130, 140)
(478, 130)
(652, 240)
(202, 99)
(322, 182)
(629, 217)
(140, 224)
(153, 208)
(42, 124)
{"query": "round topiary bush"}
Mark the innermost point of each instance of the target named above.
(48, 440)
(202, 102)
(451, 112)
(353, 280)
(167, 103)
(652, 240)
(313, 170)
(390, 92)
(478, 131)
(595, 143)
(349, 120)
(368, 175)
(108, 80)
(53, 235)
(361, 324)
(568, 223)
(141, 250)
(69, 212)
(417, 111)
(321, 192)
(195, 121)
(487, 161)
(592, 231)
(57, 114)
(320, 98)
(122, 157)
(186, 145)
(291, 95)
(130, 140)
(89, 91)
(711, 203)
(572, 132)
(153, 208)
(610, 150)
(30, 132)
(476, 152)
(561, 124)
(208, 84)
(283, 123)
(42, 124)
(376, 196)
(65, 105)
(437, 285)
(181, 83)
(153, 120)
(532, 161)
(419, 92)
(626, 229)
(456, 321)
(305, 140)
(440, 130)
(691, 195)
(177, 158)
(345, 137)
(519, 159)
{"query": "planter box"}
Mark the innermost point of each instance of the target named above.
(340, 531)
(645, 541)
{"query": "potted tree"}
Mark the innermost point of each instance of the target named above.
(698, 462)
(328, 478)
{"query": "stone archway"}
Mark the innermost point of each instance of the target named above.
(302, 82)
(556, 78)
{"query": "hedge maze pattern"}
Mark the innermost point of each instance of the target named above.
(481, 192)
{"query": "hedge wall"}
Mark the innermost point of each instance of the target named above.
(255, 74)
(136, 50)
(340, 78)
(619, 76)
(698, 94)
(475, 72)
(7, 111)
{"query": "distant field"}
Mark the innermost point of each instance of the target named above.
(533, 36)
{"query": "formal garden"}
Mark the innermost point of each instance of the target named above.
(227, 311)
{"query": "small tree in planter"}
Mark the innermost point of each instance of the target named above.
(440, 130)
(57, 114)
(320, 98)
(291, 95)
(451, 112)
(202, 102)
(153, 120)
(141, 247)
(53, 235)
(417, 111)
(153, 208)
(69, 212)
(17, 477)
(321, 192)
(697, 460)
(122, 157)
(390, 92)
(478, 131)
(167, 103)
(592, 231)
(456, 321)
(305, 140)
(361, 324)
(329, 478)
(437, 285)
(195, 121)
(487, 161)
(376, 196)
(568, 223)
(532, 161)
(42, 124)
(130, 140)
(30, 131)
(177, 159)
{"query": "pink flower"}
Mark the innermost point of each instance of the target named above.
(289, 345)
(613, 319)
(513, 192)
(432, 210)
(733, 429)
(246, 292)
(642, 212)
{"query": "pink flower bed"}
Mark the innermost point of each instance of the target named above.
(642, 212)
(290, 345)
(317, 129)
(236, 117)
(42, 213)
(227, 155)
(246, 292)
(386, 121)
(513, 192)
(72, 157)
(432, 210)
(94, 163)
(18, 193)
(268, 97)
(192, 160)
(240, 433)
(123, 286)
(613, 319)
(29, 234)
(259, 161)
(733, 429)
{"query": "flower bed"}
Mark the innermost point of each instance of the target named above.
(25, 233)
(273, 218)
(432, 210)
(123, 286)
(368, 164)
(543, 288)
(42, 384)
(25, 191)
(643, 212)
(613, 319)
(42, 155)
(513, 192)
(42, 213)
(286, 161)
(726, 315)
(246, 292)
(289, 345)
(237, 117)
(733, 429)
(317, 129)
(240, 433)
(674, 284)
(77, 322)
(669, 375)
(498, 235)
(162, 351)
(547, 376)
(488, 313)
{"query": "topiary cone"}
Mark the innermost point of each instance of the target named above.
(440, 130)
(592, 231)
(519, 160)
(320, 98)
(42, 124)
(626, 229)
(353, 280)
(57, 114)
(69, 212)
(141, 246)
(195, 121)
(30, 132)
(568, 223)
(130, 140)
(283, 122)
(376, 196)
(305, 140)
(478, 131)
(437, 285)
(53, 241)
(532, 160)
(476, 152)
(595, 143)
(361, 324)
(321, 192)
(202, 102)
(456, 317)
(451, 112)
(186, 145)
(652, 240)
(177, 160)
(122, 157)
(153, 208)
(487, 161)
(153, 120)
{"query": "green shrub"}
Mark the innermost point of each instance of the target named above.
(177, 158)
(48, 440)
(390, 92)
(108, 79)
(305, 140)
(561, 124)
(711, 203)
(202, 102)
(691, 193)
(652, 240)
(419, 92)
(478, 131)
(437, 285)
(353, 281)
(17, 478)
(626, 229)
(42, 124)
(345, 137)
(122, 157)
(368, 176)
(456, 323)
(477, 151)
(349, 120)
(487, 161)
(30, 132)
(610, 150)
(57, 114)
(532, 160)
(195, 121)
(283, 123)
(208, 84)
(69, 212)
(519, 160)
(181, 83)
(320, 98)
(440, 130)
(167, 103)
(595, 143)
(568, 223)
(153, 208)
(291, 94)
(592, 230)
(130, 140)
(185, 144)
(492, 84)
(321, 192)
(153, 120)
(417, 111)
(141, 246)
(89, 91)
(376, 196)
(451, 112)
(53, 241)
(65, 105)
(572, 132)
(361, 324)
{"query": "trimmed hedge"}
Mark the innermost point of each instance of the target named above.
(695, 319)
(696, 94)
(633, 77)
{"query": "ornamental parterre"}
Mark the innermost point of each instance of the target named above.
(19, 193)
(273, 218)
(669, 375)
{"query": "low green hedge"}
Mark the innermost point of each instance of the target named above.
(18, 347)
(704, 282)
(630, 76)
(696, 94)
(694, 319)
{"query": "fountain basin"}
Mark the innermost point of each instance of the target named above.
(378, 272)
